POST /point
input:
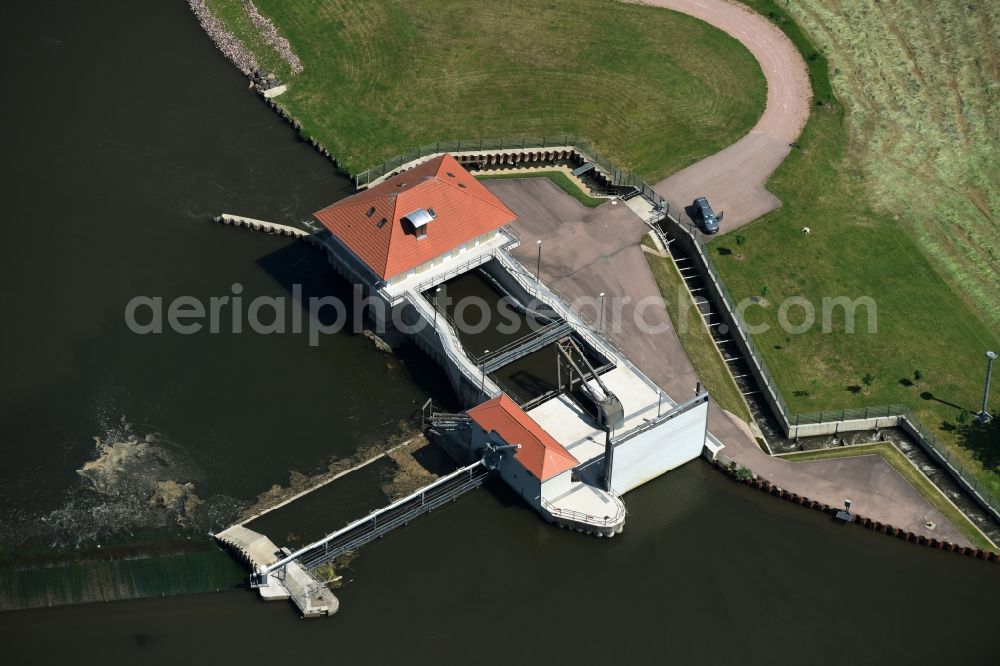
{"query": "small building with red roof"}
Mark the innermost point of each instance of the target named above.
(543, 472)
(417, 226)
(540, 455)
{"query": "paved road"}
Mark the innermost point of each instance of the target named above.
(733, 179)
(586, 251)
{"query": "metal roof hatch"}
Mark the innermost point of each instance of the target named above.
(419, 220)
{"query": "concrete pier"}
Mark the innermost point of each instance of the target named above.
(294, 581)
(261, 225)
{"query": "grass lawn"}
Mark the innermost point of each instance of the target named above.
(914, 477)
(858, 249)
(654, 90)
(558, 178)
(695, 337)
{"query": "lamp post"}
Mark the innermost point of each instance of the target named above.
(984, 416)
(482, 388)
(538, 267)
(600, 319)
(436, 292)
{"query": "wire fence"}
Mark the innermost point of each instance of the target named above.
(925, 437)
(663, 210)
(616, 178)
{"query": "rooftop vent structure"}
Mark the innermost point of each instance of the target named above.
(419, 219)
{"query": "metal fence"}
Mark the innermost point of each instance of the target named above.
(363, 178)
(616, 177)
(957, 469)
(663, 210)
(926, 438)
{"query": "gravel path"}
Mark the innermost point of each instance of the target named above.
(733, 179)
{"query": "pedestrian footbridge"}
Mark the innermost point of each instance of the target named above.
(282, 574)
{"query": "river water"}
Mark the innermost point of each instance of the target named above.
(125, 132)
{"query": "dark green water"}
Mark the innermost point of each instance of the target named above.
(125, 131)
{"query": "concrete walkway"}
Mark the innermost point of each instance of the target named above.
(586, 251)
(733, 179)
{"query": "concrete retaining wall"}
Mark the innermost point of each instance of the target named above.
(835, 427)
(659, 450)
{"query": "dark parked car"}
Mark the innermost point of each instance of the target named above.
(705, 217)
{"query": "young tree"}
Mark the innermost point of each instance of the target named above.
(868, 380)
(917, 376)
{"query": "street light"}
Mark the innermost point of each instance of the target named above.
(538, 268)
(984, 416)
(482, 389)
(436, 292)
(600, 320)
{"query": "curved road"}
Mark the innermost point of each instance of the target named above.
(733, 179)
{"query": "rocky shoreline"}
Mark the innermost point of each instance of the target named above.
(232, 48)
(271, 36)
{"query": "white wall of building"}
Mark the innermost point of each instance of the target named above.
(650, 454)
(521, 480)
(557, 485)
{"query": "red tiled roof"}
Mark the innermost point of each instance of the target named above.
(540, 454)
(463, 206)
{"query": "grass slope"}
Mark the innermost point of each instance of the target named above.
(654, 90)
(913, 476)
(695, 337)
(856, 249)
(921, 85)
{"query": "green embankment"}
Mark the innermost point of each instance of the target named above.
(928, 351)
(894, 457)
(695, 336)
(558, 178)
(652, 89)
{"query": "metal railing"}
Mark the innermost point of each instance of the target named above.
(669, 415)
(378, 523)
(614, 177)
(452, 345)
(586, 518)
(363, 178)
(523, 346)
(478, 260)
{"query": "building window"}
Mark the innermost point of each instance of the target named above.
(382, 222)
(371, 211)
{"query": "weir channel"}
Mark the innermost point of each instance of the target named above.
(510, 336)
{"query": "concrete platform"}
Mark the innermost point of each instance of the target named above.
(254, 548)
(587, 508)
(578, 432)
(294, 582)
